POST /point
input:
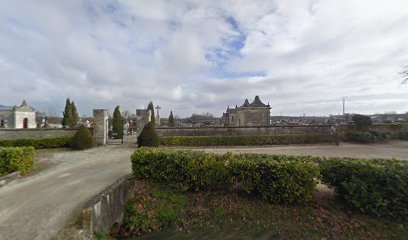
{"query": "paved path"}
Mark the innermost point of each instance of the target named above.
(396, 149)
(38, 206)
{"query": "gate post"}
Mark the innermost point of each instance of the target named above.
(100, 126)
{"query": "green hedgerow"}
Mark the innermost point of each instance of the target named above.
(16, 159)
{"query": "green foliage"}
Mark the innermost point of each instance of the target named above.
(275, 178)
(245, 140)
(361, 121)
(151, 108)
(70, 115)
(360, 137)
(403, 135)
(38, 143)
(82, 139)
(117, 123)
(148, 137)
(171, 119)
(377, 187)
(16, 159)
(160, 210)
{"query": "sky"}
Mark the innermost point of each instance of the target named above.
(301, 56)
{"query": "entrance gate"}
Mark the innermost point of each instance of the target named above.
(129, 134)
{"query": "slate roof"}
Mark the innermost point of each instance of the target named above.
(5, 108)
(258, 103)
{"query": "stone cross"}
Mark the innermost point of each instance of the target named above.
(158, 115)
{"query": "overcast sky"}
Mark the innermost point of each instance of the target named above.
(301, 56)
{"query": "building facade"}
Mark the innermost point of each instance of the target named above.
(22, 116)
(249, 114)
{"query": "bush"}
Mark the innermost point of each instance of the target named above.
(403, 135)
(148, 137)
(16, 159)
(275, 178)
(376, 187)
(82, 139)
(244, 140)
(38, 143)
(361, 137)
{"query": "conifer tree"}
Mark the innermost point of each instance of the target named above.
(171, 119)
(70, 115)
(75, 116)
(66, 121)
(117, 123)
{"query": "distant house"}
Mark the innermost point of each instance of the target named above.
(255, 113)
(22, 116)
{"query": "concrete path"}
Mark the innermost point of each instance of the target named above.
(38, 206)
(395, 149)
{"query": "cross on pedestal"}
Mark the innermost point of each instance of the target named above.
(158, 115)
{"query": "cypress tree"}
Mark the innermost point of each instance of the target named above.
(171, 119)
(70, 115)
(75, 116)
(67, 113)
(117, 123)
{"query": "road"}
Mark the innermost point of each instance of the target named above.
(38, 206)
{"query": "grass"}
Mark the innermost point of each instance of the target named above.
(160, 213)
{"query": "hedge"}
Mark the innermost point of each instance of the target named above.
(38, 143)
(16, 159)
(360, 137)
(278, 179)
(245, 140)
(376, 187)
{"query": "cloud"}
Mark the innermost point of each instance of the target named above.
(193, 56)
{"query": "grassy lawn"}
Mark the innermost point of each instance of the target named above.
(160, 213)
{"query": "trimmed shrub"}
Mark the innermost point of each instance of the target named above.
(16, 159)
(82, 139)
(244, 140)
(376, 187)
(360, 137)
(275, 178)
(38, 143)
(148, 137)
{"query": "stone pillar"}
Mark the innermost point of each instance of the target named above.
(100, 126)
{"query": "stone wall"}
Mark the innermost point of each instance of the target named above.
(35, 133)
(241, 131)
(104, 212)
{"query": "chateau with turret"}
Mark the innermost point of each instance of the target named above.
(255, 113)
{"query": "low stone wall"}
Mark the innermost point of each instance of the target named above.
(35, 133)
(104, 212)
(244, 131)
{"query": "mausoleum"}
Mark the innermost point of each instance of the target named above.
(255, 113)
(22, 116)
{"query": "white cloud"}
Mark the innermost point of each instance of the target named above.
(194, 56)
